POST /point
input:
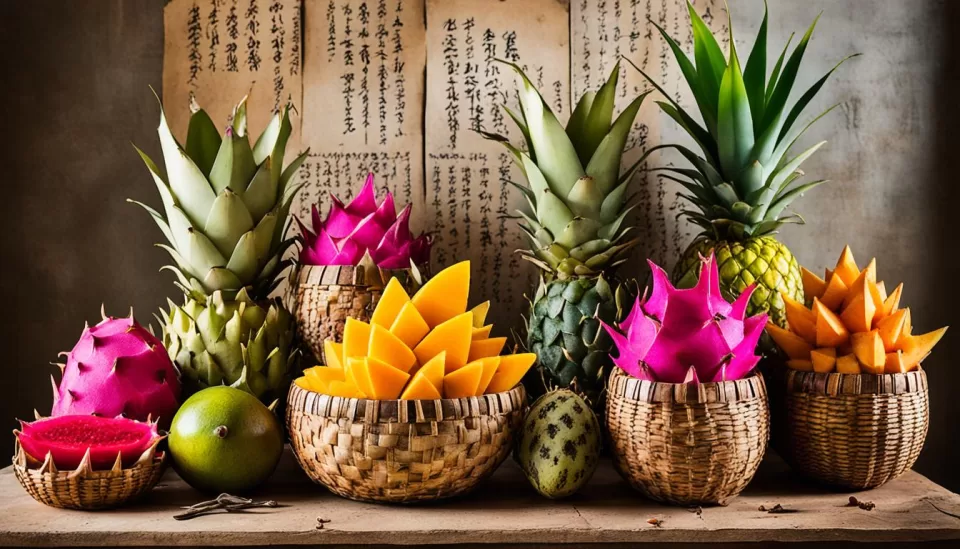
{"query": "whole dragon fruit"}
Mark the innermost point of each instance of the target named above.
(117, 368)
(363, 226)
(688, 336)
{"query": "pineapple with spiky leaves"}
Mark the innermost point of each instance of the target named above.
(225, 209)
(575, 223)
(746, 177)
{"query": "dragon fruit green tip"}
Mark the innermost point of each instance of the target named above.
(364, 226)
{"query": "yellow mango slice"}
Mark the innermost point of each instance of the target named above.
(480, 314)
(858, 315)
(800, 319)
(343, 389)
(356, 336)
(890, 329)
(800, 365)
(445, 295)
(452, 336)
(482, 348)
(482, 332)
(409, 326)
(831, 331)
(511, 370)
(792, 344)
(303, 383)
(386, 381)
(882, 288)
(490, 365)
(358, 375)
(324, 374)
(824, 360)
(848, 364)
(420, 388)
(893, 300)
(333, 353)
(846, 267)
(813, 285)
(835, 293)
(434, 370)
(389, 348)
(393, 299)
(463, 382)
(868, 348)
(894, 363)
(916, 348)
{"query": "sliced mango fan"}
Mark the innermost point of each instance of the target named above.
(852, 325)
(425, 347)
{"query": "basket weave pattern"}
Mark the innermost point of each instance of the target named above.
(87, 490)
(402, 450)
(688, 444)
(855, 431)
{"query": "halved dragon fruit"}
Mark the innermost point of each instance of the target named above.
(688, 336)
(69, 438)
(364, 226)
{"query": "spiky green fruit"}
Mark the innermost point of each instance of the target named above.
(559, 446)
(237, 342)
(564, 331)
(764, 261)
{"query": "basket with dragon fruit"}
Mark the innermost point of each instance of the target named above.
(688, 417)
(856, 396)
(415, 405)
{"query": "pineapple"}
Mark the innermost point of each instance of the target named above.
(225, 206)
(746, 177)
(578, 206)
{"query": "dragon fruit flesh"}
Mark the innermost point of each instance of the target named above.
(688, 336)
(118, 368)
(363, 226)
(68, 438)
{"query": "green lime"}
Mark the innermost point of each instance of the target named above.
(225, 440)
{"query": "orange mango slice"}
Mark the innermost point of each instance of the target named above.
(452, 336)
(358, 375)
(324, 374)
(480, 314)
(800, 319)
(846, 267)
(862, 283)
(835, 293)
(848, 364)
(890, 329)
(510, 371)
(916, 347)
(824, 360)
(463, 382)
(420, 388)
(483, 332)
(434, 370)
(445, 296)
(813, 285)
(490, 365)
(868, 348)
(858, 314)
(386, 381)
(343, 389)
(303, 383)
(793, 345)
(831, 331)
(388, 348)
(877, 303)
(800, 365)
(482, 348)
(894, 363)
(333, 353)
(409, 326)
(882, 288)
(393, 298)
(893, 300)
(356, 336)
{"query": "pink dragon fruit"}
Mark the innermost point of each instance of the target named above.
(118, 368)
(68, 438)
(688, 336)
(364, 226)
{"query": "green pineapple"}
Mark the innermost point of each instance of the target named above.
(225, 208)
(746, 178)
(575, 223)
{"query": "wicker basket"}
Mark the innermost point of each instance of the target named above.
(85, 488)
(402, 451)
(327, 295)
(855, 431)
(688, 444)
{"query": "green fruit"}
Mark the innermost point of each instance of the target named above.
(225, 440)
(564, 332)
(559, 447)
(763, 261)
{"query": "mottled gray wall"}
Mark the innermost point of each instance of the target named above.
(74, 95)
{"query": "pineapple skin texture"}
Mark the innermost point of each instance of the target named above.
(763, 260)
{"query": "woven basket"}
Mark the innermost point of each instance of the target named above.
(688, 444)
(402, 451)
(855, 431)
(327, 295)
(84, 488)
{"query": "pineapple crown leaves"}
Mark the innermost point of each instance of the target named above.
(745, 177)
(575, 192)
(225, 202)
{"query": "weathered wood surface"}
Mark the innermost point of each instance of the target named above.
(504, 510)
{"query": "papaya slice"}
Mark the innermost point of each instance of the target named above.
(463, 382)
(792, 344)
(890, 329)
(393, 298)
(511, 370)
(800, 319)
(846, 267)
(452, 336)
(333, 353)
(445, 295)
(835, 293)
(824, 360)
(388, 348)
(420, 388)
(482, 348)
(831, 331)
(800, 365)
(356, 337)
(848, 364)
(813, 285)
(916, 347)
(868, 348)
(480, 314)
(409, 326)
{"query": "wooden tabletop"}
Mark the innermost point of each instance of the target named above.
(504, 510)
